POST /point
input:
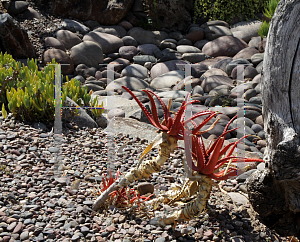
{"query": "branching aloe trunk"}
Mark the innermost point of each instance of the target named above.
(191, 209)
(144, 170)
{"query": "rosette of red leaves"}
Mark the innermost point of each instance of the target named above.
(210, 160)
(172, 126)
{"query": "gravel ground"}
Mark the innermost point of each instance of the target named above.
(40, 200)
(45, 200)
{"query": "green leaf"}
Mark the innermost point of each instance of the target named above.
(4, 113)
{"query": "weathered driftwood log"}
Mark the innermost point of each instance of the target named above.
(275, 191)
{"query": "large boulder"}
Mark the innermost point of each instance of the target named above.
(133, 83)
(60, 57)
(68, 38)
(13, 39)
(108, 42)
(88, 53)
(224, 46)
(215, 31)
(246, 30)
(167, 80)
(164, 67)
(146, 36)
(108, 12)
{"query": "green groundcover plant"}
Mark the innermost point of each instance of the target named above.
(28, 93)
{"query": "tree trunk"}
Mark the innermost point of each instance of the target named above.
(275, 191)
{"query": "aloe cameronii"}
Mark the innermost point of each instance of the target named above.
(208, 164)
(170, 131)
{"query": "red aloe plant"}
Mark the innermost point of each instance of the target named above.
(123, 197)
(211, 159)
(172, 126)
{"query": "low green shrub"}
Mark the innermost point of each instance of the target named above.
(29, 93)
(226, 10)
(269, 12)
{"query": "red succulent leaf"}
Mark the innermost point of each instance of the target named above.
(164, 107)
(145, 111)
(154, 111)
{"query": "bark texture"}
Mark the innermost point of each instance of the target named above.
(275, 191)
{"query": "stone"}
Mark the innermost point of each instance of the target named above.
(92, 24)
(120, 64)
(224, 46)
(24, 235)
(92, 86)
(262, 45)
(104, 12)
(147, 49)
(259, 67)
(74, 26)
(30, 13)
(242, 121)
(217, 131)
(18, 228)
(212, 72)
(60, 57)
(129, 41)
(133, 83)
(146, 36)
(215, 31)
(254, 42)
(68, 38)
(246, 30)
(116, 30)
(242, 177)
(135, 70)
(161, 68)
(177, 35)
(238, 198)
(173, 94)
(84, 71)
(88, 53)
(184, 42)
(128, 52)
(170, 56)
(230, 66)
(126, 25)
(199, 44)
(82, 119)
(215, 22)
(222, 64)
(257, 58)
(143, 59)
(249, 72)
(14, 40)
(168, 79)
(167, 44)
(246, 53)
(109, 43)
(182, 49)
(259, 120)
(255, 100)
(116, 112)
(194, 57)
(189, 81)
(16, 7)
(213, 81)
(145, 187)
(195, 36)
(54, 43)
(251, 114)
(257, 128)
(249, 94)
